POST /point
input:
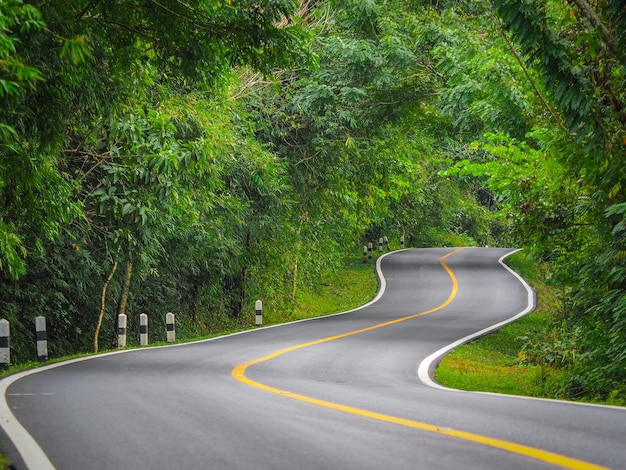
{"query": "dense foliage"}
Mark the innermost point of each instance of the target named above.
(562, 182)
(193, 156)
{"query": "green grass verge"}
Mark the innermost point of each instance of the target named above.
(496, 362)
(522, 358)
(4, 463)
(354, 286)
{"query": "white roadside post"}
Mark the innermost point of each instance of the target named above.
(365, 253)
(370, 248)
(122, 321)
(5, 350)
(259, 312)
(170, 325)
(386, 243)
(42, 339)
(402, 241)
(143, 329)
(380, 245)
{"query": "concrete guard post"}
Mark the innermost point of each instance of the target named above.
(42, 339)
(5, 350)
(259, 312)
(170, 325)
(122, 321)
(143, 329)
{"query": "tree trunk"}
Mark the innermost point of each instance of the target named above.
(128, 273)
(295, 280)
(103, 306)
(121, 306)
(242, 291)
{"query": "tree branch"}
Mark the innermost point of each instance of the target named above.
(519, 60)
(596, 22)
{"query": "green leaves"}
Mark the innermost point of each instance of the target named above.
(12, 250)
(14, 73)
(485, 89)
(76, 48)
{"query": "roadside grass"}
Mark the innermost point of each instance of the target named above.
(4, 463)
(515, 359)
(354, 286)
(496, 363)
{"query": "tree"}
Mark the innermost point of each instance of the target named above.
(93, 57)
(580, 52)
(357, 131)
(99, 167)
(32, 195)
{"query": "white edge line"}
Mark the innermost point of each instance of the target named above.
(423, 369)
(33, 455)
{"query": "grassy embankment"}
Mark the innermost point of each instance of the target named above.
(513, 360)
(528, 357)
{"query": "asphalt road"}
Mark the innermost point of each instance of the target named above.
(350, 391)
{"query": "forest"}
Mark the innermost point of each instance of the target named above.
(191, 156)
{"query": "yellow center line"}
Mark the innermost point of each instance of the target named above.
(239, 373)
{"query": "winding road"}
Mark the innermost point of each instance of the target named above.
(348, 391)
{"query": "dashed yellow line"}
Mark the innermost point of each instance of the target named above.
(239, 373)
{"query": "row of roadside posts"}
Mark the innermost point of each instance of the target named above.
(170, 328)
(382, 242)
(42, 335)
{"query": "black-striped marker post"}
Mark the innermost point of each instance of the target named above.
(170, 324)
(122, 321)
(143, 329)
(370, 248)
(402, 241)
(259, 312)
(5, 350)
(42, 339)
(380, 245)
(386, 240)
(365, 253)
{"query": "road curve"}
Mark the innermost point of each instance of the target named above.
(350, 391)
